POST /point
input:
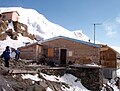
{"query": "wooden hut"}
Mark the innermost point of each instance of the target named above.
(63, 50)
(10, 15)
(31, 51)
(110, 59)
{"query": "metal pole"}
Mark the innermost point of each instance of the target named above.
(94, 33)
(95, 28)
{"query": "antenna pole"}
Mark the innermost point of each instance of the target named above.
(95, 28)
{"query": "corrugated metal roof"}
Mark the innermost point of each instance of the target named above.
(75, 40)
(28, 45)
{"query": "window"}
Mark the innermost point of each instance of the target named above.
(50, 52)
(4, 16)
(70, 53)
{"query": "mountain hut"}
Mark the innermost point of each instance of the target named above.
(10, 15)
(64, 50)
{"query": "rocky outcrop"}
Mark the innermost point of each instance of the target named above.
(13, 34)
(3, 36)
(22, 29)
(3, 27)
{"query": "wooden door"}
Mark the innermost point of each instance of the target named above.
(63, 56)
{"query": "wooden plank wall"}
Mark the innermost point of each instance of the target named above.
(108, 58)
(31, 52)
(82, 53)
(28, 52)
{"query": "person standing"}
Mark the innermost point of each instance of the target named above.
(6, 56)
(17, 54)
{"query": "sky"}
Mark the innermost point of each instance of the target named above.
(79, 15)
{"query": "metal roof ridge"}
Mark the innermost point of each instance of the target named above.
(68, 38)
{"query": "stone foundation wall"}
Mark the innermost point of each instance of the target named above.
(91, 78)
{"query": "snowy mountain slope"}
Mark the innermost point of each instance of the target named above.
(39, 25)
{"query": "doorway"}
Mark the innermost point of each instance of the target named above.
(63, 56)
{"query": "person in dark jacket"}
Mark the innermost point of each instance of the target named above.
(6, 56)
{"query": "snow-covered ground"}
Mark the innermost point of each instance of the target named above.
(118, 72)
(67, 78)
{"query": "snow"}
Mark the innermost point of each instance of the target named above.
(32, 77)
(67, 78)
(118, 72)
(49, 89)
(3, 89)
(113, 85)
(80, 34)
(93, 65)
(10, 26)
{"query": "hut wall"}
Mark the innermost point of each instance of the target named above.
(28, 53)
(15, 16)
(31, 52)
(7, 16)
(108, 58)
(10, 16)
(76, 51)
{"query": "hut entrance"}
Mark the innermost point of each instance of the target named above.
(63, 56)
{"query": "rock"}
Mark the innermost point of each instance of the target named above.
(36, 88)
(3, 36)
(3, 26)
(4, 84)
(4, 70)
